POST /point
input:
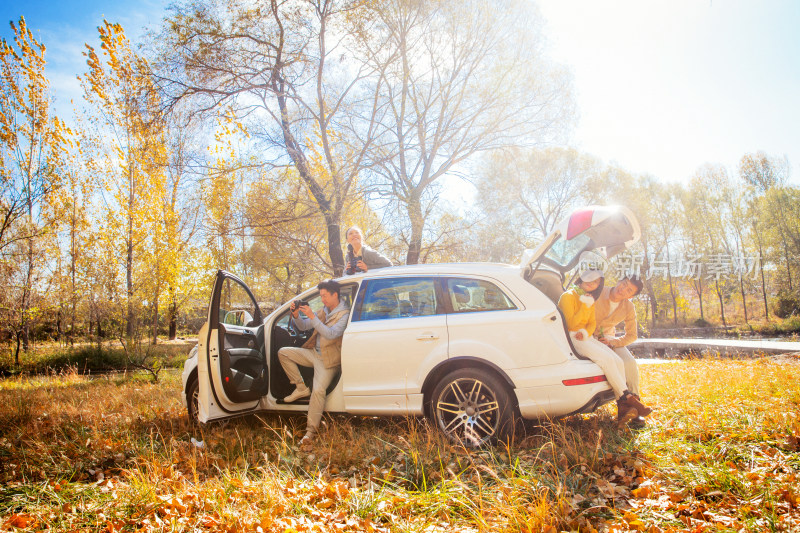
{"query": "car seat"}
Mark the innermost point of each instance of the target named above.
(493, 300)
(460, 297)
(405, 308)
(384, 305)
(422, 304)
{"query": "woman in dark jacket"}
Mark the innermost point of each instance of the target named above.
(360, 257)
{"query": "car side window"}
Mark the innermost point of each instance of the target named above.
(345, 295)
(470, 295)
(398, 298)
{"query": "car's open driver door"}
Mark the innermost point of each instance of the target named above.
(233, 373)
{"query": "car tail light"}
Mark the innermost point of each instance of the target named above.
(583, 381)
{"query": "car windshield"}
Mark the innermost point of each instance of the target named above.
(563, 251)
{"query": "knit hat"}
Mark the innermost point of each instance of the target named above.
(587, 276)
(590, 275)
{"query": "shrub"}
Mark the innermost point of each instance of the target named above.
(786, 304)
(791, 325)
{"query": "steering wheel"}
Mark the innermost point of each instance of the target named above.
(290, 327)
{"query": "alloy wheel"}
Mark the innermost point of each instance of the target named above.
(468, 410)
(193, 401)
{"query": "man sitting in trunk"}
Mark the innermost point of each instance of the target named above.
(612, 307)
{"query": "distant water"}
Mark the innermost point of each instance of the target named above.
(745, 338)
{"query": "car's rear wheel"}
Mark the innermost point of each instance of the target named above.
(472, 407)
(193, 400)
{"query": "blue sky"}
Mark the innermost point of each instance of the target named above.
(662, 86)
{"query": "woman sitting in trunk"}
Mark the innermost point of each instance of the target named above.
(577, 304)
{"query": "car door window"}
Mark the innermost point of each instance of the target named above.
(398, 298)
(315, 303)
(236, 307)
(470, 295)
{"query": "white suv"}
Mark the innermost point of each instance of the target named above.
(473, 346)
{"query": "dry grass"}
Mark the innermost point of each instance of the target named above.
(720, 453)
(91, 358)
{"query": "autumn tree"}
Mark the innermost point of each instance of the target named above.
(770, 212)
(72, 212)
(733, 199)
(179, 208)
(284, 68)
(223, 224)
(780, 215)
(667, 199)
(523, 193)
(126, 150)
(287, 233)
(32, 141)
(460, 78)
(289, 249)
(763, 172)
(695, 242)
(448, 241)
(708, 186)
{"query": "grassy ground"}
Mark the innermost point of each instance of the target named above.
(721, 453)
(87, 357)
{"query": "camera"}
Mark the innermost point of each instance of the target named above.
(352, 261)
(299, 303)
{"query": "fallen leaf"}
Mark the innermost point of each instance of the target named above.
(21, 521)
(606, 488)
(646, 490)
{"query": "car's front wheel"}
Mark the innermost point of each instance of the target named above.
(472, 407)
(193, 400)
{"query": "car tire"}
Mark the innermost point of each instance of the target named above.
(472, 407)
(193, 400)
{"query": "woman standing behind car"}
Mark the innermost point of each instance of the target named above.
(360, 257)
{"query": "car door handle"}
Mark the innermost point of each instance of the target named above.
(427, 337)
(240, 332)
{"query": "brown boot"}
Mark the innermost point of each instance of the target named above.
(633, 401)
(638, 423)
(625, 414)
